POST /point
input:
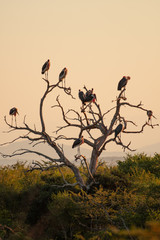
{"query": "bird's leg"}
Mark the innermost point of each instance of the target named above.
(124, 93)
(12, 120)
(78, 150)
(15, 122)
(64, 83)
(150, 120)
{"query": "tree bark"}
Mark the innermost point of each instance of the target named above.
(94, 161)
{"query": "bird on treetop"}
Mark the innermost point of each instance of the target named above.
(118, 129)
(81, 96)
(122, 83)
(62, 75)
(46, 67)
(89, 92)
(89, 98)
(13, 111)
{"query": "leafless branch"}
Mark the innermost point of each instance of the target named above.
(124, 147)
(20, 152)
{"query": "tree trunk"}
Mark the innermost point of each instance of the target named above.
(95, 153)
(94, 161)
(78, 176)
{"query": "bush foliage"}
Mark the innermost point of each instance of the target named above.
(124, 203)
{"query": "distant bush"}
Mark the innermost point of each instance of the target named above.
(141, 162)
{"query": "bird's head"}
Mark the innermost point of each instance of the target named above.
(149, 113)
(128, 77)
(94, 98)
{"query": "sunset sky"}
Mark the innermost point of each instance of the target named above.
(99, 41)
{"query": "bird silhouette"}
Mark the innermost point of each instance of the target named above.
(150, 115)
(77, 143)
(118, 129)
(122, 83)
(62, 76)
(82, 96)
(13, 112)
(45, 68)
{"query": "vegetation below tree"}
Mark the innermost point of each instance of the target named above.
(124, 202)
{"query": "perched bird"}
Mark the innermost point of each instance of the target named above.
(46, 67)
(62, 75)
(82, 96)
(13, 112)
(150, 114)
(122, 83)
(95, 98)
(89, 92)
(89, 98)
(118, 129)
(77, 143)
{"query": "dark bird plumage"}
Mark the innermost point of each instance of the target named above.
(13, 111)
(149, 114)
(81, 96)
(89, 98)
(45, 66)
(123, 82)
(63, 74)
(78, 142)
(89, 92)
(118, 129)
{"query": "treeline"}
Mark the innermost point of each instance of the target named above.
(124, 203)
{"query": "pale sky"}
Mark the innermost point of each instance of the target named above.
(99, 41)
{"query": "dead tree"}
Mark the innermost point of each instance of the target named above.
(88, 119)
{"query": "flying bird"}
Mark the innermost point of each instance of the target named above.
(122, 83)
(62, 75)
(77, 143)
(13, 112)
(118, 129)
(46, 67)
(82, 96)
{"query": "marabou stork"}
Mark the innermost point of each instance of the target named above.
(62, 76)
(89, 92)
(82, 96)
(13, 112)
(77, 143)
(150, 115)
(90, 98)
(45, 68)
(122, 83)
(118, 129)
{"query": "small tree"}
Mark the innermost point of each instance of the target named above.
(87, 120)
